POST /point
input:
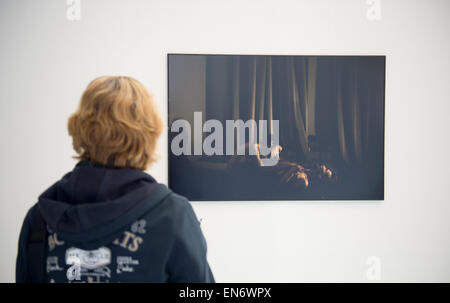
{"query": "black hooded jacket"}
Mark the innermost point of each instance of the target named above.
(116, 225)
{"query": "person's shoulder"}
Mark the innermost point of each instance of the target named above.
(178, 209)
(31, 214)
(178, 203)
(179, 200)
(29, 221)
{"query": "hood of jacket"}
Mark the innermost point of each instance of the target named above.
(95, 200)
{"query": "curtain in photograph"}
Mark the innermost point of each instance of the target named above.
(360, 107)
(338, 101)
(301, 118)
(252, 90)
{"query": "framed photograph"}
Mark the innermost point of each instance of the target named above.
(256, 127)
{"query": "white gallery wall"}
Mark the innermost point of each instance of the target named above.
(46, 61)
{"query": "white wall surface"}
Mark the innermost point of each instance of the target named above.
(46, 61)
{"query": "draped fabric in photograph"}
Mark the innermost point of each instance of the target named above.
(335, 101)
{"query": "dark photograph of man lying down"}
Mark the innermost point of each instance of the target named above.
(247, 127)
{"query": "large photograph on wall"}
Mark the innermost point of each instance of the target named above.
(244, 127)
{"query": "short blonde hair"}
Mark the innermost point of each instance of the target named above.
(116, 123)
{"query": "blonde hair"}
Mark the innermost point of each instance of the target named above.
(116, 123)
